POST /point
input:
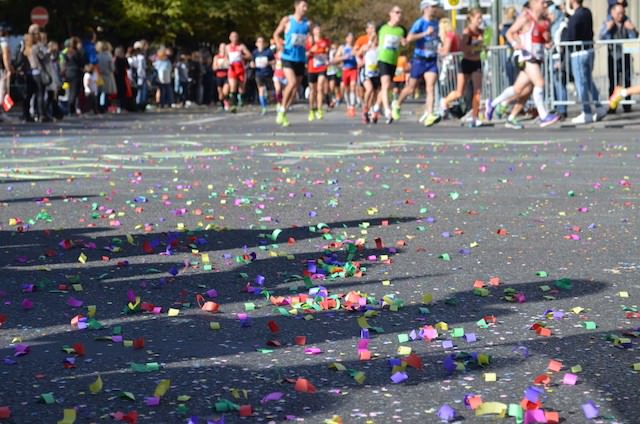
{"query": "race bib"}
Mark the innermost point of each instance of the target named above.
(235, 57)
(391, 42)
(298, 40)
(320, 60)
(262, 62)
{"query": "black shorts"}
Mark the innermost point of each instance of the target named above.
(386, 69)
(398, 85)
(298, 67)
(470, 66)
(263, 80)
(375, 81)
(313, 76)
(334, 77)
(221, 81)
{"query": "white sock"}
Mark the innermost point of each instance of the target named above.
(538, 99)
(376, 108)
(507, 94)
(624, 93)
(352, 98)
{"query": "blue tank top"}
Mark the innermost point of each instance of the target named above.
(295, 40)
(350, 62)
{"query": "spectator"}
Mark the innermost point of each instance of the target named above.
(53, 68)
(139, 74)
(163, 68)
(580, 29)
(37, 77)
(89, 47)
(106, 67)
(618, 27)
(559, 56)
(195, 79)
(72, 69)
(122, 81)
(90, 84)
(181, 79)
(6, 68)
(508, 18)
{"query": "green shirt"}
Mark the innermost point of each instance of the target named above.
(389, 43)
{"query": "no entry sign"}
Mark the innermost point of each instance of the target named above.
(40, 16)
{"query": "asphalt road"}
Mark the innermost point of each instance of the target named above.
(119, 222)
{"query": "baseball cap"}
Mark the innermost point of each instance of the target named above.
(428, 3)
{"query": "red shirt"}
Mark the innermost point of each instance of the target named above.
(319, 57)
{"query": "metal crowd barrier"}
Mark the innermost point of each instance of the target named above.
(613, 65)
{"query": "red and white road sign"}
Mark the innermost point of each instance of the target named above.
(40, 16)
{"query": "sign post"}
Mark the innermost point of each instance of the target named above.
(39, 16)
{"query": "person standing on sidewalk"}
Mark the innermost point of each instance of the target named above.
(6, 68)
(580, 29)
(618, 27)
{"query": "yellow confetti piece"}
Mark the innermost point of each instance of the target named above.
(130, 239)
(91, 311)
(623, 294)
(338, 366)
(427, 298)
(636, 366)
(442, 326)
(77, 287)
(13, 221)
(82, 259)
(205, 258)
(173, 312)
(577, 310)
(362, 322)
(69, 417)
(386, 283)
(214, 325)
(576, 369)
(162, 388)
(183, 398)
(490, 376)
(359, 377)
(96, 386)
(495, 408)
(404, 350)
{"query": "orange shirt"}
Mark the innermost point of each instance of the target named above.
(401, 69)
(363, 40)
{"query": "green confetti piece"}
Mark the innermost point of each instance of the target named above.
(47, 398)
(127, 396)
(590, 325)
(454, 195)
(542, 274)
(403, 338)
(457, 332)
(444, 257)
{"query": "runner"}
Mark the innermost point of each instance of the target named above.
(529, 34)
(620, 94)
(390, 37)
(279, 80)
(333, 94)
(237, 54)
(360, 48)
(347, 56)
(318, 55)
(471, 66)
(400, 78)
(295, 28)
(263, 60)
(221, 70)
(371, 80)
(424, 65)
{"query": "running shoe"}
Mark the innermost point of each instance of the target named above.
(432, 119)
(365, 118)
(423, 117)
(285, 120)
(319, 114)
(280, 117)
(474, 123)
(312, 116)
(388, 117)
(263, 111)
(550, 119)
(374, 117)
(500, 110)
(351, 111)
(615, 99)
(395, 110)
(513, 124)
(488, 110)
(226, 106)
(234, 109)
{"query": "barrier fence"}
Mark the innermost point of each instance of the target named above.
(614, 63)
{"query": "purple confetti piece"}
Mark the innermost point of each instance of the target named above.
(446, 413)
(274, 396)
(399, 377)
(590, 410)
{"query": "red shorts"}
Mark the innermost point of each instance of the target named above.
(236, 71)
(349, 76)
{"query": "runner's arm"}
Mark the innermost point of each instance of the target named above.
(512, 33)
(282, 26)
